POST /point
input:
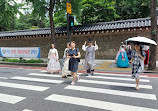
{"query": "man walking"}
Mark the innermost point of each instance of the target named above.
(90, 56)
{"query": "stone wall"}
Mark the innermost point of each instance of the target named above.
(108, 42)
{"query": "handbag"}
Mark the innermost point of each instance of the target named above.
(78, 59)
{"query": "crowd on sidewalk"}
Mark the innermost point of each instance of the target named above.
(125, 56)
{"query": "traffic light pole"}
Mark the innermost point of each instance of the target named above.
(68, 30)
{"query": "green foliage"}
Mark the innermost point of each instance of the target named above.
(24, 61)
(59, 11)
(30, 21)
(94, 11)
(131, 9)
(9, 9)
(85, 12)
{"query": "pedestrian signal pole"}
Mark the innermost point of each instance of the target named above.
(69, 11)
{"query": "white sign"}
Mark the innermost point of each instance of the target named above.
(25, 52)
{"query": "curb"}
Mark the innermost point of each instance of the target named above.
(25, 64)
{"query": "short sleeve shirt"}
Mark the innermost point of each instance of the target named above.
(73, 52)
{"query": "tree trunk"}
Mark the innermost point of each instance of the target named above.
(153, 49)
(51, 8)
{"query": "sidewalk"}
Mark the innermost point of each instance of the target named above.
(100, 65)
(105, 65)
(109, 65)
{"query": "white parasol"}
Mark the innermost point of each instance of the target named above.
(141, 40)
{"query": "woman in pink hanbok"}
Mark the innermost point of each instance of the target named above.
(53, 64)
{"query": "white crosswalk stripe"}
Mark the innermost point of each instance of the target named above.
(96, 103)
(113, 92)
(10, 98)
(27, 110)
(44, 75)
(43, 71)
(3, 78)
(122, 75)
(117, 78)
(37, 79)
(23, 86)
(114, 83)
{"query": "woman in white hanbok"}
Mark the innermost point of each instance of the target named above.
(65, 71)
(53, 64)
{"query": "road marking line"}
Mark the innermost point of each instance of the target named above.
(43, 71)
(114, 83)
(23, 86)
(44, 75)
(3, 78)
(113, 92)
(96, 103)
(10, 98)
(37, 79)
(27, 110)
(117, 78)
(112, 74)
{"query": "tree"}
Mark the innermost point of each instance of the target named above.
(29, 20)
(94, 11)
(60, 18)
(132, 9)
(153, 49)
(50, 8)
(9, 9)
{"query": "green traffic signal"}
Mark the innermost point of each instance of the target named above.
(72, 23)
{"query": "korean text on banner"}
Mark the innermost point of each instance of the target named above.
(25, 52)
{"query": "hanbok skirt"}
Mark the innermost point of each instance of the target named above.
(123, 63)
(65, 70)
(53, 66)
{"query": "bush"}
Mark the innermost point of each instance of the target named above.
(24, 61)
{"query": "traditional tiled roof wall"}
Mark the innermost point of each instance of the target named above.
(97, 27)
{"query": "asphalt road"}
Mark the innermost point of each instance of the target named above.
(35, 90)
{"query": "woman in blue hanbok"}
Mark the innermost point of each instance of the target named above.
(122, 60)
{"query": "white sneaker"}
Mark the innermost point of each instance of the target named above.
(89, 74)
(72, 83)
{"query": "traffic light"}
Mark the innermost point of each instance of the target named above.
(71, 23)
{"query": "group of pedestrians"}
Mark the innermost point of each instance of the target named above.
(125, 56)
(71, 59)
(137, 58)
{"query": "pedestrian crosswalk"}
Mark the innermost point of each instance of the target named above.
(91, 85)
(31, 78)
(96, 103)
(89, 91)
